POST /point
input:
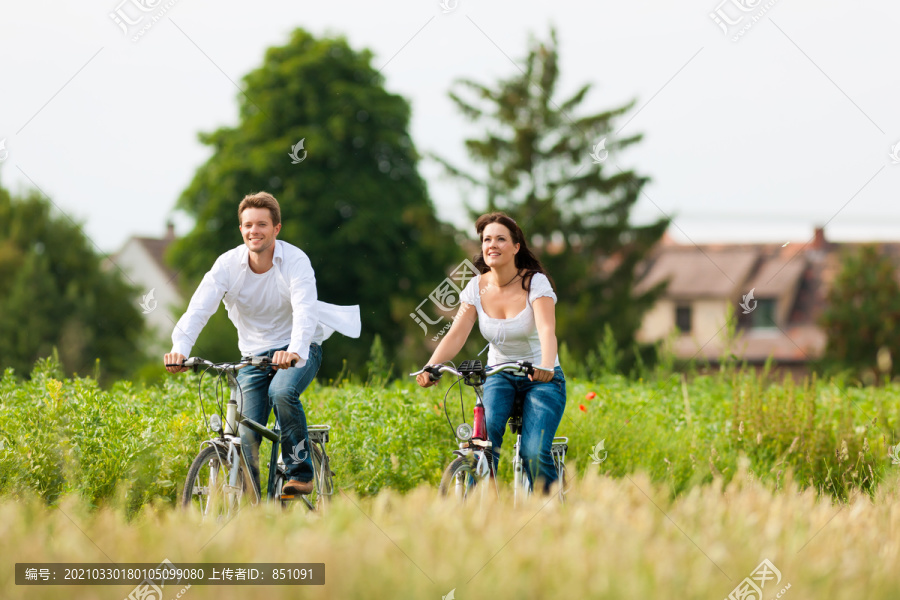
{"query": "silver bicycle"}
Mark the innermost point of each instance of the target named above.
(219, 483)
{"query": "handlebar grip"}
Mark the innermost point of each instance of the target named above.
(433, 372)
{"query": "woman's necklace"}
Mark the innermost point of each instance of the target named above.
(516, 276)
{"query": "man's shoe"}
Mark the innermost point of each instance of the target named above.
(294, 487)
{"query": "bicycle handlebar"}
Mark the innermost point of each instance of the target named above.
(196, 363)
(522, 366)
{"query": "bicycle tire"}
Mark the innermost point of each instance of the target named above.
(212, 499)
(461, 488)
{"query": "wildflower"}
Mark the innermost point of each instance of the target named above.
(582, 408)
(590, 396)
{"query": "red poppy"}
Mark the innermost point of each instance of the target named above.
(582, 408)
(590, 396)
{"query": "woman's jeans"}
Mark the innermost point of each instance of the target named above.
(542, 412)
(263, 388)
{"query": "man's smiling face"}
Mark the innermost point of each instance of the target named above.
(257, 229)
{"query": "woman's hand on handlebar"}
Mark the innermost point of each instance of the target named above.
(541, 375)
(174, 358)
(424, 379)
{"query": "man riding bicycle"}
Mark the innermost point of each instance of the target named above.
(269, 289)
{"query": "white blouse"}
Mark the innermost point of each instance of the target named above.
(515, 338)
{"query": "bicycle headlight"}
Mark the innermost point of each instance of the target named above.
(215, 423)
(464, 432)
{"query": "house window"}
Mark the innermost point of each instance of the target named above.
(683, 318)
(764, 314)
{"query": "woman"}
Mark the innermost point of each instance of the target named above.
(514, 302)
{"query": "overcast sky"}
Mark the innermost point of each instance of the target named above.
(762, 138)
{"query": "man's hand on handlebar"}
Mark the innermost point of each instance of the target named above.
(173, 361)
(282, 359)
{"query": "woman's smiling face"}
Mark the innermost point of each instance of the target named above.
(497, 245)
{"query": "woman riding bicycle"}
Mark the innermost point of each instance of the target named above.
(515, 303)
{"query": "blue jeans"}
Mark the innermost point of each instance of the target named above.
(264, 388)
(542, 413)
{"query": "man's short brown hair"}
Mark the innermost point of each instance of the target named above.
(261, 200)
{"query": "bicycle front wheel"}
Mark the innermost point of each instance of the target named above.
(461, 479)
(210, 488)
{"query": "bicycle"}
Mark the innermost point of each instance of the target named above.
(219, 482)
(474, 460)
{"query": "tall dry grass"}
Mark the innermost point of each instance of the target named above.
(614, 539)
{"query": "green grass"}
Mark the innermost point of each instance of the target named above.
(129, 446)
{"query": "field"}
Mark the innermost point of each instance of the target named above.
(699, 480)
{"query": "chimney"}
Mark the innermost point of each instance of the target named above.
(170, 231)
(819, 241)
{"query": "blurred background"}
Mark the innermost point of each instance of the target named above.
(703, 178)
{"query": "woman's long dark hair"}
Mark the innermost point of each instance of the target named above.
(524, 259)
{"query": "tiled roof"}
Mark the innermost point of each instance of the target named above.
(694, 272)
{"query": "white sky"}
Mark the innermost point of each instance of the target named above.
(759, 139)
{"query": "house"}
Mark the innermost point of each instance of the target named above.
(778, 293)
(141, 261)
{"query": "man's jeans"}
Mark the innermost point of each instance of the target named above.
(542, 412)
(264, 388)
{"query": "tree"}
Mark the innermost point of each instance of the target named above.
(355, 203)
(538, 169)
(55, 293)
(863, 313)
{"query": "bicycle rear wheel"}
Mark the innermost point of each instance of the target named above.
(461, 479)
(323, 484)
(208, 488)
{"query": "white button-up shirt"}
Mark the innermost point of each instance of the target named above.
(312, 321)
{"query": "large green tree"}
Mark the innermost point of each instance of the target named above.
(863, 314)
(54, 293)
(355, 204)
(536, 164)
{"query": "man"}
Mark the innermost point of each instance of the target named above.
(269, 289)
